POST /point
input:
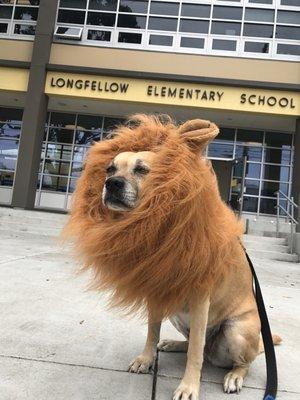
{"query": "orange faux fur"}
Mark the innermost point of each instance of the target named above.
(178, 242)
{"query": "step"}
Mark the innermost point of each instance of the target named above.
(32, 221)
(33, 214)
(266, 246)
(29, 228)
(263, 239)
(273, 255)
(32, 236)
(267, 226)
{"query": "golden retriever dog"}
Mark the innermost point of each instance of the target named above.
(148, 219)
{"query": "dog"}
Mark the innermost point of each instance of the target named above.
(148, 219)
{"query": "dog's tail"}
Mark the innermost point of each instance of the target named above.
(276, 340)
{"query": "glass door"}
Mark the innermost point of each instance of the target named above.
(238, 187)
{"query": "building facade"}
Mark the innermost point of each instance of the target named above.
(71, 70)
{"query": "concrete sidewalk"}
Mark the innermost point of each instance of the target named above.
(58, 342)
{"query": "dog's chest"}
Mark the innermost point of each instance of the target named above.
(181, 321)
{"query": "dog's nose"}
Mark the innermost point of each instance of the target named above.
(115, 184)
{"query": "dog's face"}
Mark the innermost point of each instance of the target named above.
(124, 180)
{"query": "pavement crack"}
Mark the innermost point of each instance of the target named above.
(155, 372)
(221, 384)
(27, 256)
(62, 363)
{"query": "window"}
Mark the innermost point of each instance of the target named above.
(195, 10)
(226, 28)
(67, 139)
(220, 12)
(101, 19)
(133, 6)
(69, 136)
(24, 29)
(164, 8)
(228, 45)
(295, 3)
(248, 136)
(6, 12)
(258, 30)
(103, 5)
(162, 24)
(252, 187)
(288, 32)
(268, 189)
(259, 14)
(62, 120)
(220, 150)
(71, 16)
(250, 204)
(126, 37)
(73, 3)
(288, 49)
(268, 168)
(103, 36)
(89, 122)
(26, 13)
(288, 17)
(161, 40)
(114, 22)
(3, 28)
(10, 133)
(18, 18)
(196, 43)
(131, 21)
(226, 134)
(68, 33)
(194, 26)
(276, 173)
(256, 47)
(252, 153)
(261, 1)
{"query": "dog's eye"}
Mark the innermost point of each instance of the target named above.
(111, 169)
(140, 169)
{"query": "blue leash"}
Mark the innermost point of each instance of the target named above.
(271, 365)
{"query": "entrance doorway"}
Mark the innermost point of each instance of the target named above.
(229, 184)
(223, 170)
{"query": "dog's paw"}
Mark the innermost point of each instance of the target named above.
(186, 392)
(172, 345)
(233, 383)
(141, 365)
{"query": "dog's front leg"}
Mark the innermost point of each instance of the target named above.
(144, 361)
(189, 386)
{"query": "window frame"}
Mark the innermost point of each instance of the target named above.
(12, 22)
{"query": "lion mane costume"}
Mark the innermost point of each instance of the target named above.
(179, 240)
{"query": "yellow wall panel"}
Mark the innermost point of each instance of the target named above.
(173, 93)
(15, 79)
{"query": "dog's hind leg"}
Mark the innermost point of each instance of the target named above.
(236, 346)
(243, 343)
(233, 381)
(180, 346)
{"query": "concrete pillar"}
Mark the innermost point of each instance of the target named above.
(296, 172)
(35, 110)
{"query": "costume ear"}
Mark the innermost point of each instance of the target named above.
(198, 133)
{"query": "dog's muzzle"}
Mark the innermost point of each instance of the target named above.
(115, 185)
(118, 194)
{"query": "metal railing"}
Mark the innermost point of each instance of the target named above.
(289, 213)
